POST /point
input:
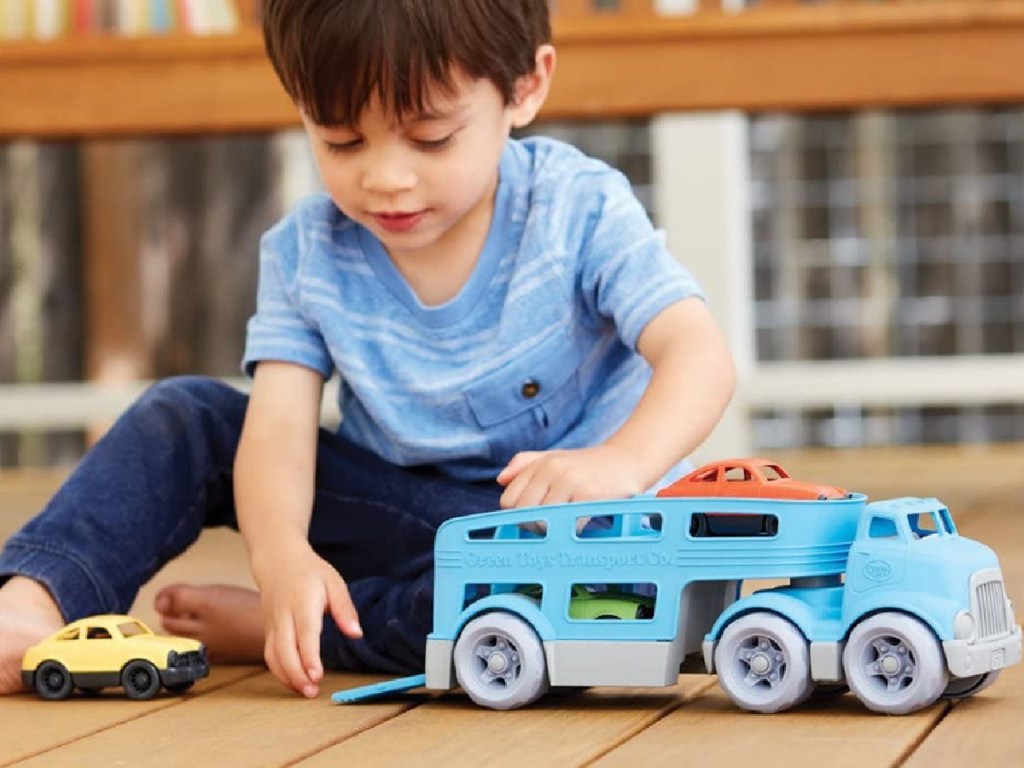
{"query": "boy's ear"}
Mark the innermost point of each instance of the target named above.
(532, 89)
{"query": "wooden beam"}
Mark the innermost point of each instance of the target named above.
(94, 87)
(819, 57)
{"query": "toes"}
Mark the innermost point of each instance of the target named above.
(185, 626)
(179, 601)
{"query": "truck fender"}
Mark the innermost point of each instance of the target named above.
(522, 606)
(779, 602)
(935, 611)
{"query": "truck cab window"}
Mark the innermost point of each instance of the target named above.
(883, 528)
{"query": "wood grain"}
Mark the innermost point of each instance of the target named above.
(243, 717)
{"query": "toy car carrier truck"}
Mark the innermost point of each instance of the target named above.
(884, 597)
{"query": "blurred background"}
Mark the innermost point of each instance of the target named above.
(846, 177)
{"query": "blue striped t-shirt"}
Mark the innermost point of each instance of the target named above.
(536, 351)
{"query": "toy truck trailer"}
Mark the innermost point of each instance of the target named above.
(884, 597)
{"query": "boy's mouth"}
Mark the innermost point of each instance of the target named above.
(395, 221)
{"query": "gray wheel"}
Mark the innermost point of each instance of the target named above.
(499, 661)
(53, 681)
(763, 663)
(894, 664)
(140, 680)
(963, 687)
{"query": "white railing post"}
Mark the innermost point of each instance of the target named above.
(701, 198)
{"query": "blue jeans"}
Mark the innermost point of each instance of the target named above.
(145, 491)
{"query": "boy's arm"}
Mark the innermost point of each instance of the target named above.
(274, 487)
(692, 381)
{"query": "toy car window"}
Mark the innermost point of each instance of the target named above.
(628, 525)
(533, 530)
(737, 474)
(132, 628)
(773, 472)
(612, 602)
(708, 477)
(883, 528)
(98, 633)
(711, 525)
(71, 634)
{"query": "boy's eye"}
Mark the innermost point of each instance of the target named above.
(433, 144)
(339, 147)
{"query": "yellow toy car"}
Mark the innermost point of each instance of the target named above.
(100, 651)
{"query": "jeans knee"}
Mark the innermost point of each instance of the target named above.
(175, 394)
(187, 402)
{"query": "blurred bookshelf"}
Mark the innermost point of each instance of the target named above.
(63, 19)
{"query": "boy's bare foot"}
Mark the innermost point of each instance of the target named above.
(226, 619)
(28, 613)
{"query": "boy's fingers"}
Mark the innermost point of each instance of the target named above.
(286, 648)
(518, 463)
(512, 497)
(270, 657)
(308, 637)
(530, 488)
(342, 609)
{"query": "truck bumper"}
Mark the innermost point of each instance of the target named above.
(966, 659)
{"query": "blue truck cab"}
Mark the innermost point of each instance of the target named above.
(920, 613)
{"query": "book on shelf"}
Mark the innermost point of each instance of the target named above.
(54, 19)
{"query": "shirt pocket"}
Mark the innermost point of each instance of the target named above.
(529, 403)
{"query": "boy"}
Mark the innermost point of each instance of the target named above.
(508, 328)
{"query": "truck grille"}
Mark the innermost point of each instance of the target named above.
(189, 659)
(992, 618)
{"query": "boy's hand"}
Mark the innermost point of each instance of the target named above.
(297, 587)
(586, 474)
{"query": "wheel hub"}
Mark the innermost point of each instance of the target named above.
(764, 661)
(890, 665)
(497, 663)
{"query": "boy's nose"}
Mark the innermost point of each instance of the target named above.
(387, 176)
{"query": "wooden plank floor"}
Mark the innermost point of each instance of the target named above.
(242, 716)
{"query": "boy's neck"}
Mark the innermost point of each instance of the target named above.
(436, 274)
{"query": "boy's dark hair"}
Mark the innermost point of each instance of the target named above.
(333, 56)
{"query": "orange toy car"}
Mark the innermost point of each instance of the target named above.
(748, 477)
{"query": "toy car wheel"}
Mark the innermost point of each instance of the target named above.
(963, 687)
(763, 663)
(499, 661)
(140, 680)
(53, 681)
(894, 664)
(180, 687)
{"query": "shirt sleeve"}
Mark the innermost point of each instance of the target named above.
(626, 272)
(279, 330)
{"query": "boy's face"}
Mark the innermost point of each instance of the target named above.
(420, 184)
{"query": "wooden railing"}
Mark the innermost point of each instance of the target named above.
(781, 54)
(778, 55)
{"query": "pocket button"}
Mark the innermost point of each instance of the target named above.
(530, 389)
